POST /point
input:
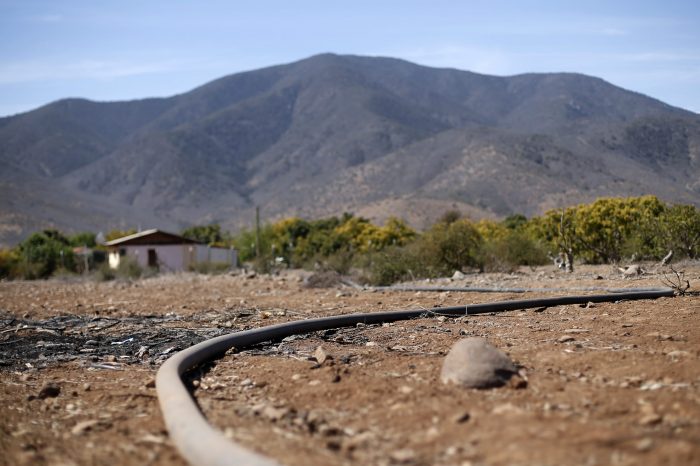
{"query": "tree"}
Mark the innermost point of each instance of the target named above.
(209, 234)
(515, 221)
(450, 216)
(116, 234)
(556, 229)
(85, 238)
(45, 252)
(680, 230)
(602, 228)
(9, 259)
(603, 231)
(450, 247)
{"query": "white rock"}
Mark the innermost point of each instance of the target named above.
(475, 363)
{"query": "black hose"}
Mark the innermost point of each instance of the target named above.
(474, 289)
(201, 444)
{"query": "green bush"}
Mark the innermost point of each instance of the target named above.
(210, 268)
(508, 253)
(680, 231)
(207, 234)
(9, 259)
(449, 247)
(42, 253)
(128, 269)
(394, 264)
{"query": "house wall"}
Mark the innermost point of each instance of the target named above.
(220, 255)
(228, 256)
(171, 258)
(175, 257)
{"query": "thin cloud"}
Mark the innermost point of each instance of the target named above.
(485, 60)
(22, 72)
(659, 56)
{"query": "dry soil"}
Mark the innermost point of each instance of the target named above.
(614, 383)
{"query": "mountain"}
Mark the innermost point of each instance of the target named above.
(375, 136)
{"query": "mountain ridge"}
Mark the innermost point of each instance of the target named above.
(335, 132)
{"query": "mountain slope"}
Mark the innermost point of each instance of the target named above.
(377, 136)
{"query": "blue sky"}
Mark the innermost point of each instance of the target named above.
(117, 50)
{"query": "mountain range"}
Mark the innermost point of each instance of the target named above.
(332, 133)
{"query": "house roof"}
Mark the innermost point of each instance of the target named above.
(150, 237)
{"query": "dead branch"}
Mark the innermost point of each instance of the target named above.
(677, 282)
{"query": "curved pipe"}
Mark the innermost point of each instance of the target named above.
(201, 444)
(466, 289)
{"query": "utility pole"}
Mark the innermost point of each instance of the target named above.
(257, 231)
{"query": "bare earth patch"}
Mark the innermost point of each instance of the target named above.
(613, 383)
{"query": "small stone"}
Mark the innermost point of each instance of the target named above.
(475, 363)
(50, 390)
(650, 419)
(678, 354)
(660, 336)
(517, 382)
(142, 351)
(360, 440)
(150, 438)
(334, 445)
(644, 444)
(458, 275)
(402, 456)
(565, 339)
(507, 408)
(320, 355)
(462, 417)
(84, 426)
(274, 414)
(151, 383)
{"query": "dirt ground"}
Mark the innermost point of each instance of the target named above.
(614, 383)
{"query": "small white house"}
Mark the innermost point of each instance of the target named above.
(166, 252)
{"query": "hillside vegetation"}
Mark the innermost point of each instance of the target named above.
(608, 230)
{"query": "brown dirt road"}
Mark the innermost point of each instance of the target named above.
(615, 383)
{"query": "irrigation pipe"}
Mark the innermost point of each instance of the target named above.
(467, 289)
(203, 445)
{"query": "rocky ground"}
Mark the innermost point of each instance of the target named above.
(612, 383)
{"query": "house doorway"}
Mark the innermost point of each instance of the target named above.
(152, 258)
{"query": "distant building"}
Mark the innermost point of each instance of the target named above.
(166, 252)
